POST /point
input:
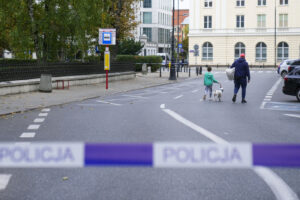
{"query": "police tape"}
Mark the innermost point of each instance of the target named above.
(160, 155)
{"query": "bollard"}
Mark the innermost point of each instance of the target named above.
(200, 70)
(144, 68)
(160, 71)
(189, 71)
(197, 71)
(46, 83)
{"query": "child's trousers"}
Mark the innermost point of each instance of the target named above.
(208, 90)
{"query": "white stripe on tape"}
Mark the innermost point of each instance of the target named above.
(45, 155)
(202, 155)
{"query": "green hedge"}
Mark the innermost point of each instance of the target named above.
(17, 61)
(153, 61)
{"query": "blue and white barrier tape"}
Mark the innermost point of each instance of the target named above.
(161, 155)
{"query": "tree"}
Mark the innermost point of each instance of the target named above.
(61, 29)
(130, 47)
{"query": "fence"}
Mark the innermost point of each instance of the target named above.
(10, 71)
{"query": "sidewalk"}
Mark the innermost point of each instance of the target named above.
(11, 104)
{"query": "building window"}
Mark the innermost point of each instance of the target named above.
(261, 21)
(207, 51)
(148, 32)
(147, 18)
(282, 51)
(208, 3)
(262, 2)
(283, 20)
(261, 52)
(240, 21)
(239, 49)
(207, 21)
(284, 2)
(240, 3)
(147, 3)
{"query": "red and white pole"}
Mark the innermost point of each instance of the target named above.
(107, 63)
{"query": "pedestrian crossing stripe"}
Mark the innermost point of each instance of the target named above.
(158, 155)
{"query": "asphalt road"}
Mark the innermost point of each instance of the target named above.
(138, 117)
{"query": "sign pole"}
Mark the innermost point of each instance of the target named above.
(107, 37)
(106, 63)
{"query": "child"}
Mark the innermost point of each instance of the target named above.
(208, 82)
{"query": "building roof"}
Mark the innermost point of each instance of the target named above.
(186, 21)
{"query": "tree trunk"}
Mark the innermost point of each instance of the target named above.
(34, 30)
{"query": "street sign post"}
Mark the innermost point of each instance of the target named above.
(107, 37)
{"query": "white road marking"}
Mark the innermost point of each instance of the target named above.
(271, 92)
(43, 114)
(260, 72)
(135, 96)
(194, 91)
(162, 106)
(193, 126)
(106, 102)
(33, 127)
(39, 120)
(4, 180)
(269, 72)
(27, 135)
(46, 110)
(267, 99)
(291, 115)
(280, 189)
(178, 97)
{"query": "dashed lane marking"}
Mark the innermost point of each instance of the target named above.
(33, 127)
(194, 91)
(39, 120)
(280, 189)
(46, 110)
(43, 114)
(162, 106)
(106, 102)
(178, 97)
(4, 180)
(27, 135)
(291, 115)
(270, 93)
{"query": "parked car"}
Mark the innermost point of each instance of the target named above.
(292, 83)
(294, 65)
(165, 59)
(286, 66)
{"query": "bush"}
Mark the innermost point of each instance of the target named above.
(17, 61)
(92, 59)
(153, 61)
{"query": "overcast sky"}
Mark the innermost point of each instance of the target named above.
(183, 4)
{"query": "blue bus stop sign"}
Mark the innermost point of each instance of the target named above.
(180, 46)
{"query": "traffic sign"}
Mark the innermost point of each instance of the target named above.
(107, 36)
(180, 46)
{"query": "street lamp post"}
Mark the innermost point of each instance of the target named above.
(172, 71)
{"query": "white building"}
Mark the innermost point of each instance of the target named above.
(155, 22)
(223, 29)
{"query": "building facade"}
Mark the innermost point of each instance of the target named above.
(155, 22)
(180, 16)
(223, 29)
